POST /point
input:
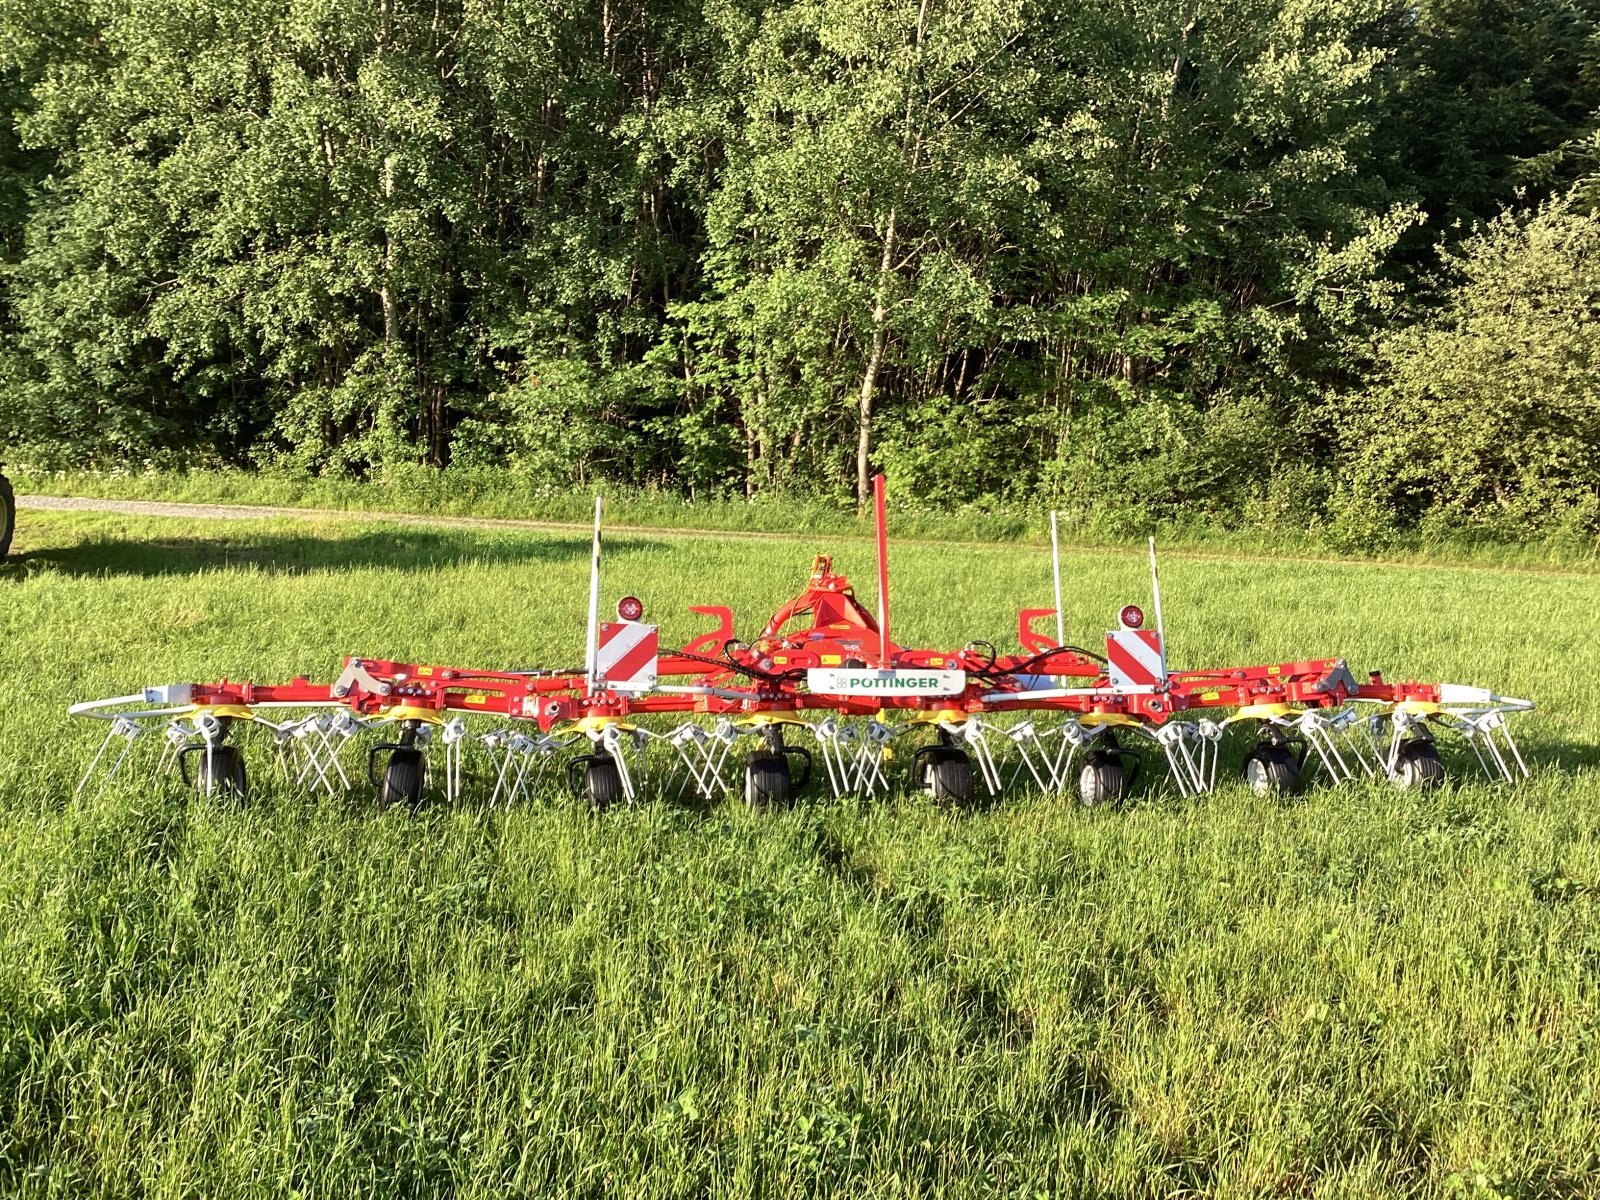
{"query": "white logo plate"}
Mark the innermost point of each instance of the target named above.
(909, 682)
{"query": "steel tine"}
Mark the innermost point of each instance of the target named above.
(973, 735)
(1326, 752)
(1494, 749)
(332, 751)
(539, 757)
(502, 759)
(175, 738)
(117, 766)
(986, 760)
(823, 734)
(1332, 754)
(1511, 742)
(1473, 733)
(95, 761)
(314, 755)
(513, 766)
(1176, 767)
(1393, 760)
(688, 775)
(1020, 735)
(1195, 765)
(515, 777)
(302, 735)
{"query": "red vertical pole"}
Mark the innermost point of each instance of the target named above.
(883, 573)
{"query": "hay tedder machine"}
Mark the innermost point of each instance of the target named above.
(820, 694)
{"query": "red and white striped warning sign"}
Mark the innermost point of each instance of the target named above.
(1133, 658)
(626, 658)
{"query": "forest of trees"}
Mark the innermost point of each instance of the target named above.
(1276, 261)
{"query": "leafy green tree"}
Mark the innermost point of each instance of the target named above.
(1012, 218)
(851, 233)
(307, 231)
(1122, 257)
(1486, 100)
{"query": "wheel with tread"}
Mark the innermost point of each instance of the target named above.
(602, 783)
(8, 516)
(220, 771)
(1272, 770)
(1418, 765)
(766, 781)
(402, 778)
(1103, 779)
(947, 775)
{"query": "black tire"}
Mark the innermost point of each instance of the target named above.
(1102, 779)
(947, 775)
(1418, 766)
(402, 778)
(1272, 770)
(602, 783)
(221, 772)
(8, 516)
(766, 781)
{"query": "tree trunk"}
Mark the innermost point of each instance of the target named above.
(391, 307)
(869, 380)
(880, 309)
(749, 459)
(387, 299)
(439, 434)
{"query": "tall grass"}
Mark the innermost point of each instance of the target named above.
(501, 494)
(1359, 992)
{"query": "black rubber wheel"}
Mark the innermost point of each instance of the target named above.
(1418, 765)
(766, 781)
(1272, 770)
(402, 778)
(1102, 779)
(8, 516)
(602, 783)
(947, 775)
(221, 771)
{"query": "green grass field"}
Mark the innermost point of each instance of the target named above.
(1358, 992)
